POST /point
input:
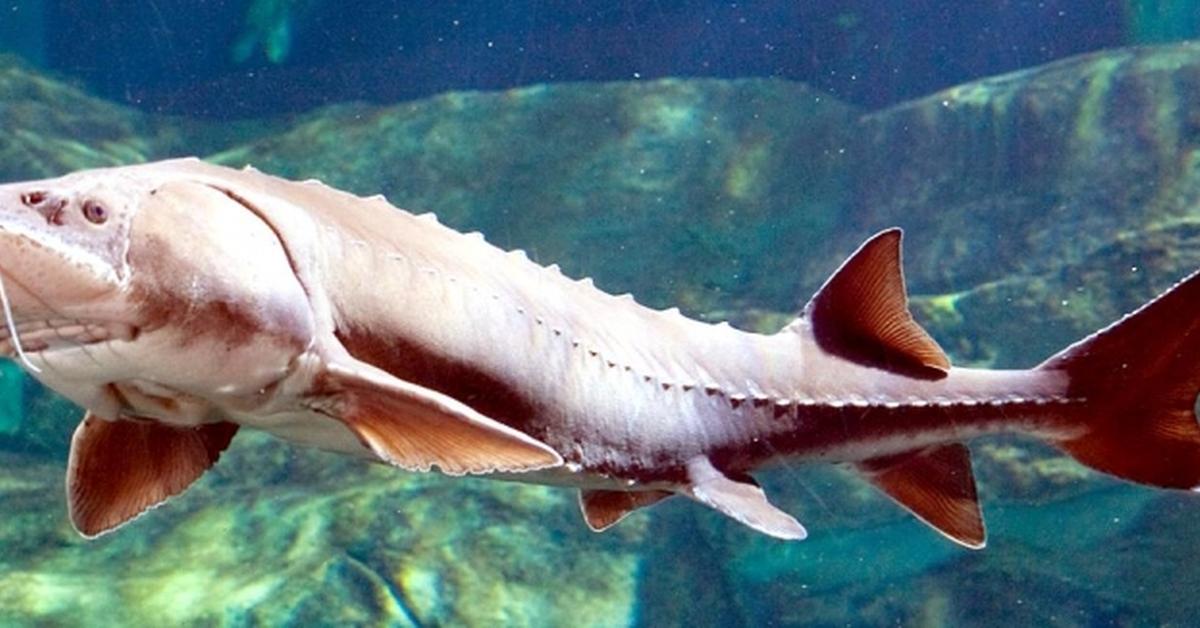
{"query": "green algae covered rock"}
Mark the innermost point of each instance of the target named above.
(336, 541)
(49, 127)
(1022, 172)
(722, 186)
(1022, 319)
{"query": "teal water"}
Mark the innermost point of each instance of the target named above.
(1041, 200)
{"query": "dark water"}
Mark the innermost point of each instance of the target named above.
(228, 59)
(722, 157)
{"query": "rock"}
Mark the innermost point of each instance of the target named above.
(1024, 172)
(49, 127)
(990, 325)
(337, 541)
(737, 180)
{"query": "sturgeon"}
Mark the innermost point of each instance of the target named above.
(180, 301)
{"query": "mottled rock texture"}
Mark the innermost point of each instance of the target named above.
(1021, 173)
(694, 193)
(49, 127)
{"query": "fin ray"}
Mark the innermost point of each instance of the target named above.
(862, 315)
(416, 428)
(119, 469)
(937, 486)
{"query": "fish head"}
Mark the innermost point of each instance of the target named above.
(138, 273)
(63, 246)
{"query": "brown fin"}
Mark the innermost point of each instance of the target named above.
(861, 314)
(416, 428)
(937, 486)
(741, 499)
(120, 469)
(1139, 378)
(604, 509)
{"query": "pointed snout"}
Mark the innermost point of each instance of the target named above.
(52, 256)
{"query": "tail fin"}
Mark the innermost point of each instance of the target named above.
(1141, 376)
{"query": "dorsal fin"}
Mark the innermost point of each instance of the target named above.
(120, 469)
(604, 509)
(861, 314)
(937, 486)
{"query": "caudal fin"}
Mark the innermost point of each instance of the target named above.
(1140, 377)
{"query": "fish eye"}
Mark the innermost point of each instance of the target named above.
(95, 212)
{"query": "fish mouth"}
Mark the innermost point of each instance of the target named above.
(51, 334)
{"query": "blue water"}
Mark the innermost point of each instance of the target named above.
(625, 141)
(215, 58)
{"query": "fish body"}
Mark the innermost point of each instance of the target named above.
(179, 301)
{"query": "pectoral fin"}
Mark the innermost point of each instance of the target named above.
(740, 499)
(416, 428)
(604, 509)
(120, 469)
(937, 486)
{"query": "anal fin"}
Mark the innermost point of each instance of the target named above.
(604, 509)
(935, 484)
(416, 428)
(740, 499)
(119, 469)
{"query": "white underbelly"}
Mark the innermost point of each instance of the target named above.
(309, 429)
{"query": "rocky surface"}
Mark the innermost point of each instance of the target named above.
(49, 127)
(990, 324)
(274, 535)
(1024, 172)
(1064, 197)
(693, 193)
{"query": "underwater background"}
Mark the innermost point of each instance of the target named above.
(1043, 157)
